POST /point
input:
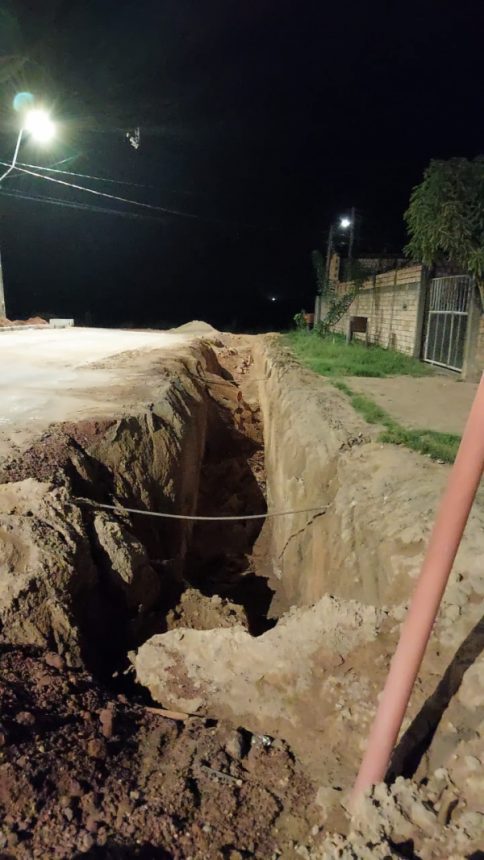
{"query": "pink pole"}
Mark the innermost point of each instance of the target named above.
(444, 542)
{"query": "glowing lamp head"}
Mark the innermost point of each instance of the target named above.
(345, 223)
(39, 124)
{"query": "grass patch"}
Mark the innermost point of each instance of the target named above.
(332, 356)
(438, 446)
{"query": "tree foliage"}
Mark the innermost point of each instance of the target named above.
(445, 217)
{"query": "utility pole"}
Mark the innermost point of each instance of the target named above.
(40, 126)
(329, 251)
(3, 312)
(352, 233)
(351, 239)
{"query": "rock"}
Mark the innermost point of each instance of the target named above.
(128, 569)
(106, 720)
(55, 661)
(85, 842)
(74, 788)
(96, 748)
(235, 745)
(229, 674)
(25, 718)
(91, 824)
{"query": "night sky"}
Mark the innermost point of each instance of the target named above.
(264, 120)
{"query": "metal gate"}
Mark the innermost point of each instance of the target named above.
(447, 315)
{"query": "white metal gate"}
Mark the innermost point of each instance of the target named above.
(447, 314)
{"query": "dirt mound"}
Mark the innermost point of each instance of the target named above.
(197, 327)
(36, 321)
(5, 323)
(30, 321)
(199, 612)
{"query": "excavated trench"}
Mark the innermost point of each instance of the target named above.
(284, 626)
(198, 450)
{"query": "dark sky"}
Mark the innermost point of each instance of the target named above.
(264, 119)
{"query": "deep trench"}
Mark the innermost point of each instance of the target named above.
(218, 555)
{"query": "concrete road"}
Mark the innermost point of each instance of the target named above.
(434, 402)
(48, 375)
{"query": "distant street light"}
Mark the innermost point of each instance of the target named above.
(345, 222)
(39, 125)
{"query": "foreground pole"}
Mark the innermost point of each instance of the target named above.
(444, 542)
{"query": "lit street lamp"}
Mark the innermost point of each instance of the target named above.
(39, 125)
(344, 224)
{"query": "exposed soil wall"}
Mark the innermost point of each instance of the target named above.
(381, 499)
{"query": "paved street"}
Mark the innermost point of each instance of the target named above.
(48, 375)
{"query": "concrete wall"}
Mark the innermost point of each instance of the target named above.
(392, 302)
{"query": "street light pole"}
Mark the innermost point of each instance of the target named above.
(40, 126)
(352, 237)
(3, 310)
(329, 251)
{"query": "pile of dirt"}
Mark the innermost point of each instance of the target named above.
(198, 612)
(36, 321)
(5, 323)
(197, 328)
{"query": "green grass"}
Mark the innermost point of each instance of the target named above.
(332, 356)
(438, 446)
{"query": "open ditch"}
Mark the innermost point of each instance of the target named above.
(107, 614)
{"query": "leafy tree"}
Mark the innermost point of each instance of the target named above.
(445, 217)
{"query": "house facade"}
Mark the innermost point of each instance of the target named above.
(433, 316)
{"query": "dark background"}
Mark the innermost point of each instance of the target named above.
(265, 120)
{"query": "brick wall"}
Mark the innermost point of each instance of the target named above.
(391, 302)
(480, 345)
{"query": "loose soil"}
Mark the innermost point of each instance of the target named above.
(87, 771)
(280, 634)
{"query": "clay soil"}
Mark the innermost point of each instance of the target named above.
(87, 771)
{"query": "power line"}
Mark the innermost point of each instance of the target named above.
(104, 194)
(83, 175)
(165, 210)
(104, 210)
